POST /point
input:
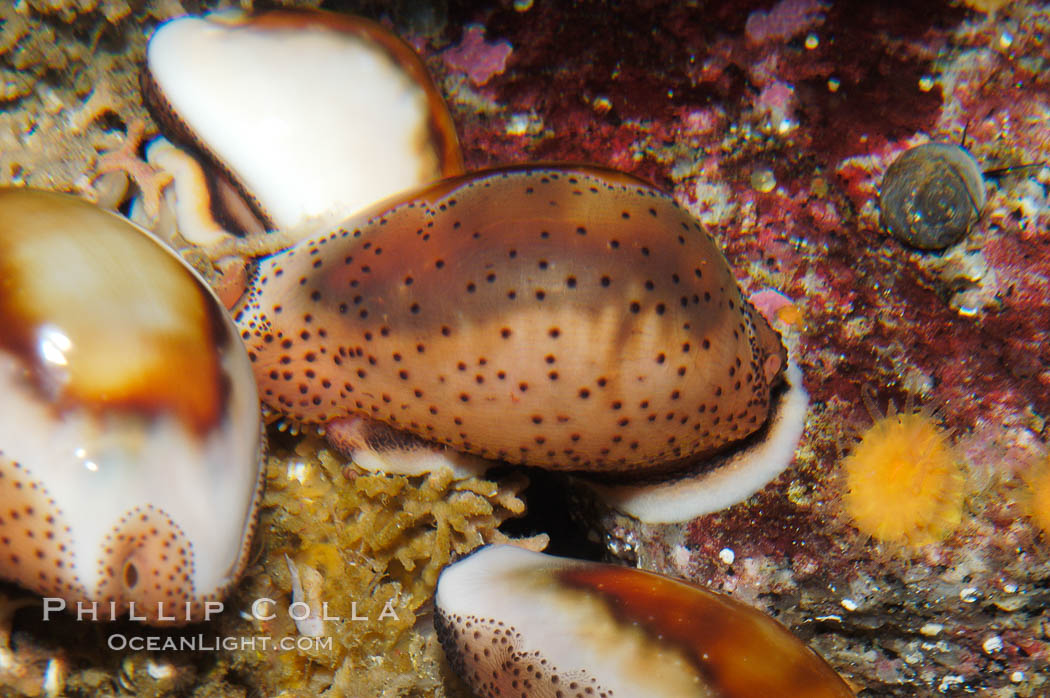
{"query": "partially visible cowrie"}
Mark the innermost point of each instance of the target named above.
(309, 115)
(518, 623)
(130, 435)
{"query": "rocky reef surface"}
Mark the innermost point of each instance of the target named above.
(773, 122)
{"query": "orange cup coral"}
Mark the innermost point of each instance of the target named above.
(904, 483)
(1038, 503)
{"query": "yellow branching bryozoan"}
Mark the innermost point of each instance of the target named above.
(377, 543)
(904, 483)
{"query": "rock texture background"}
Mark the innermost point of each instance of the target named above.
(773, 122)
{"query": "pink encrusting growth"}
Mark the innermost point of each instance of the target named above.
(777, 100)
(570, 318)
(480, 60)
(770, 302)
(787, 19)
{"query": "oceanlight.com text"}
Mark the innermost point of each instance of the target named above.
(214, 643)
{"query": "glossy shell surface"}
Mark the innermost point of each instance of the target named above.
(130, 428)
(572, 318)
(312, 115)
(519, 623)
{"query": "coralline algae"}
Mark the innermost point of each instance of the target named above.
(679, 113)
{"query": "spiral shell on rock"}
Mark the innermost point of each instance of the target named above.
(932, 196)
